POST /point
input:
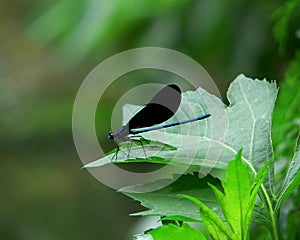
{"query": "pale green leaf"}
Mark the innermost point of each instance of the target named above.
(214, 141)
(166, 202)
(142, 237)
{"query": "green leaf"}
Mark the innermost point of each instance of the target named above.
(215, 225)
(240, 192)
(286, 118)
(213, 228)
(214, 141)
(237, 201)
(171, 231)
(166, 202)
(292, 179)
(236, 197)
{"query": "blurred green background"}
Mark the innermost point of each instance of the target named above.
(47, 49)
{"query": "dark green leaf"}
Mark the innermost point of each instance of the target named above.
(292, 179)
(286, 118)
(284, 17)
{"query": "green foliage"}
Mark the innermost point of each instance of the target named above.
(62, 15)
(292, 179)
(248, 127)
(293, 221)
(237, 201)
(40, 167)
(286, 119)
(90, 24)
(284, 17)
(217, 228)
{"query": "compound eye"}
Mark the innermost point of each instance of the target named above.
(110, 135)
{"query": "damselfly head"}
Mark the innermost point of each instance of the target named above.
(111, 135)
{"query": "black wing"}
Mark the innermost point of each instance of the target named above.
(161, 107)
